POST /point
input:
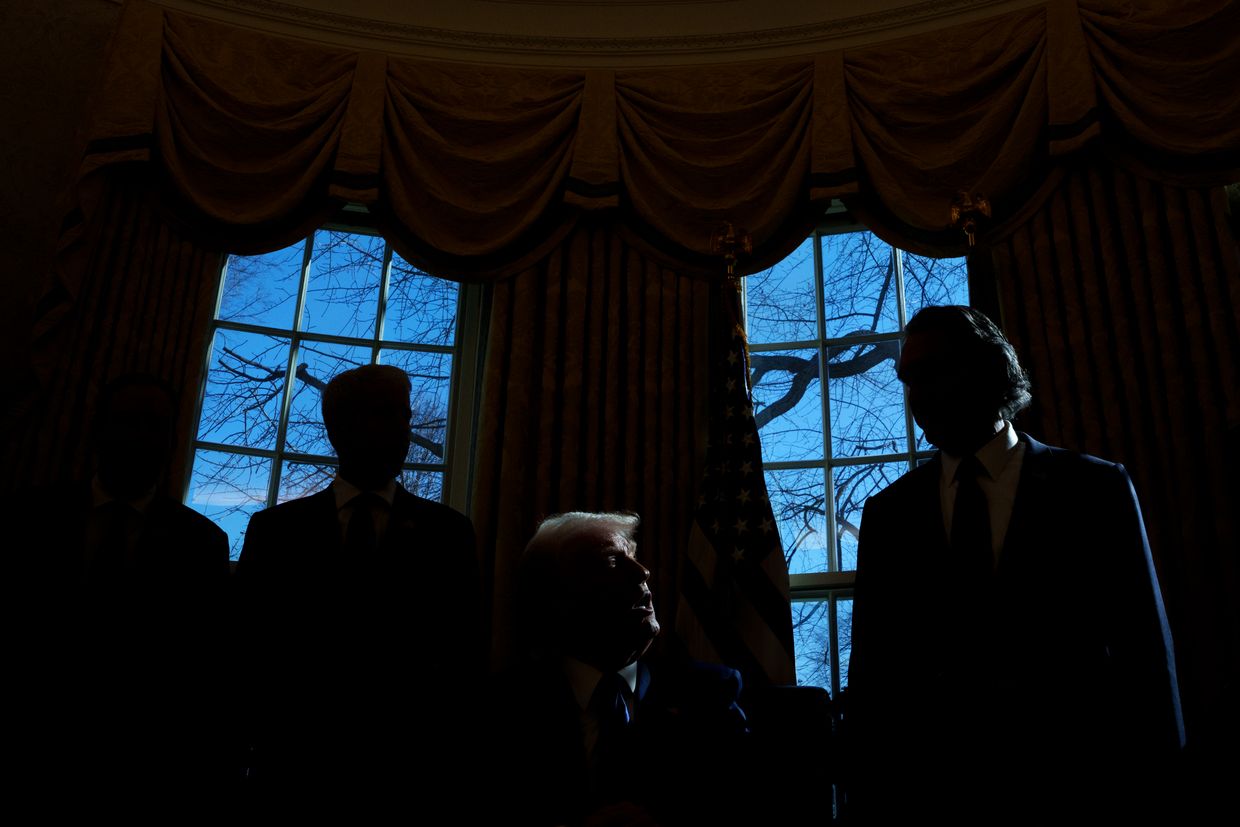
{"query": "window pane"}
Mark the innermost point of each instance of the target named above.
(798, 498)
(854, 484)
(228, 488)
(245, 389)
(342, 297)
(426, 484)
(420, 308)
(779, 302)
(859, 285)
(919, 439)
(262, 289)
(317, 364)
(843, 635)
(431, 376)
(787, 399)
(811, 636)
(301, 479)
(930, 281)
(867, 400)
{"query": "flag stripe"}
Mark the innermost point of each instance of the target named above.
(769, 604)
(718, 628)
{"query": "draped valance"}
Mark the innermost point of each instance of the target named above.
(477, 171)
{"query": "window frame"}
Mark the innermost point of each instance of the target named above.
(836, 585)
(466, 351)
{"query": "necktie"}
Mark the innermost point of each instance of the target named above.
(609, 704)
(109, 558)
(360, 538)
(971, 521)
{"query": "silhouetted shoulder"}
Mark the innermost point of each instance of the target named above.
(192, 521)
(295, 508)
(430, 508)
(705, 682)
(424, 514)
(925, 474)
(1071, 468)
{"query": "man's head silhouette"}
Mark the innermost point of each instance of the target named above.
(134, 423)
(366, 411)
(962, 375)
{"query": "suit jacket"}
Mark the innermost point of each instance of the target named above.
(1055, 684)
(355, 668)
(117, 680)
(686, 742)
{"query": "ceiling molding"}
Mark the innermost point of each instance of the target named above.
(489, 46)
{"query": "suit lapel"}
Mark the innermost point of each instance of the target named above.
(1029, 510)
(402, 523)
(643, 683)
(925, 527)
(322, 527)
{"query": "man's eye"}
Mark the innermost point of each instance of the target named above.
(612, 561)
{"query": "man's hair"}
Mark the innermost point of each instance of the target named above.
(352, 391)
(983, 349)
(540, 568)
(563, 530)
(107, 396)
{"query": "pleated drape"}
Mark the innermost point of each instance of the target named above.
(589, 197)
(595, 390)
(1122, 296)
(479, 170)
(142, 302)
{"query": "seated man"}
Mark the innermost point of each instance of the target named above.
(120, 596)
(361, 606)
(588, 730)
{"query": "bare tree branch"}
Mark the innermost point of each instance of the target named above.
(805, 370)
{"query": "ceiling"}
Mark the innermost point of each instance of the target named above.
(598, 32)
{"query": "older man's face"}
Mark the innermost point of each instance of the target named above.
(610, 609)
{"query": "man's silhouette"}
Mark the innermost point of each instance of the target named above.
(589, 730)
(362, 616)
(1011, 659)
(120, 590)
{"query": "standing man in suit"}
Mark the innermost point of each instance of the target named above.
(363, 615)
(589, 730)
(120, 590)
(1011, 660)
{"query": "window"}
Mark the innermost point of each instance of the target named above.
(836, 307)
(286, 323)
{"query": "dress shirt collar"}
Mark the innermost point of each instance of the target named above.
(994, 455)
(101, 496)
(345, 492)
(584, 678)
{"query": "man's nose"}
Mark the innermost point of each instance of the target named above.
(639, 572)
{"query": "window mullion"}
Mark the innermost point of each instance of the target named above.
(381, 316)
(202, 385)
(828, 503)
(833, 630)
(903, 312)
(286, 403)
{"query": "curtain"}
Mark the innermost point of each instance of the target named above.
(139, 299)
(514, 175)
(479, 171)
(1122, 297)
(595, 390)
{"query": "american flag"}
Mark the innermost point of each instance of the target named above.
(734, 607)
